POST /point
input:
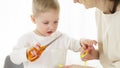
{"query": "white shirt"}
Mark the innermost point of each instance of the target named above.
(54, 54)
(109, 38)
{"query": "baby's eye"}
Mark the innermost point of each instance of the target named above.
(55, 21)
(46, 23)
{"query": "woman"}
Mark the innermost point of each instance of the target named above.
(108, 25)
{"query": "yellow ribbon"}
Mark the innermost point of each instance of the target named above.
(83, 55)
(60, 65)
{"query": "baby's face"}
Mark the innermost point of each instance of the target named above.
(47, 22)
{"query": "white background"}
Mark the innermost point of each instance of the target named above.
(75, 21)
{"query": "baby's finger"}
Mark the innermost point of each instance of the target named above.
(37, 46)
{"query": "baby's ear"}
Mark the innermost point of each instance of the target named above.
(32, 18)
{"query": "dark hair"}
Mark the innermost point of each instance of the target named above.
(116, 2)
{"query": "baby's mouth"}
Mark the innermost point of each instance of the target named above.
(50, 32)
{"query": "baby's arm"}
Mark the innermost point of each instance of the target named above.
(19, 53)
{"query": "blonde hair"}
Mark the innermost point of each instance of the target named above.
(39, 6)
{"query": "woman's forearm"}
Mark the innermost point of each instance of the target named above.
(96, 55)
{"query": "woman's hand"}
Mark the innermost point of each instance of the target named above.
(88, 51)
(92, 54)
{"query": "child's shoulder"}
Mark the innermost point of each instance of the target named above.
(63, 35)
(59, 32)
(27, 35)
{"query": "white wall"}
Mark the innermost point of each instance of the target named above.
(75, 21)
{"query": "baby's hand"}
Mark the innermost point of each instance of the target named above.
(87, 43)
(33, 52)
